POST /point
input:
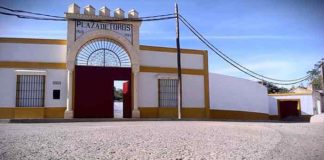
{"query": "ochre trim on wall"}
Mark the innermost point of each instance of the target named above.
(193, 113)
(171, 70)
(33, 41)
(7, 113)
(64, 42)
(238, 115)
(274, 117)
(302, 117)
(206, 85)
(171, 112)
(289, 94)
(149, 112)
(31, 112)
(172, 50)
(54, 112)
(38, 65)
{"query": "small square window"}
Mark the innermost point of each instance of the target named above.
(56, 94)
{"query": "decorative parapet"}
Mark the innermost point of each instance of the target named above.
(103, 14)
(132, 14)
(89, 10)
(104, 11)
(74, 8)
(119, 13)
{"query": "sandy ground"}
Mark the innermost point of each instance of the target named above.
(162, 140)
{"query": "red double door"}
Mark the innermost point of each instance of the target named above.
(94, 91)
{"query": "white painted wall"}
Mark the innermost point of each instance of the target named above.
(193, 89)
(56, 75)
(32, 52)
(231, 93)
(147, 90)
(8, 87)
(306, 103)
(168, 59)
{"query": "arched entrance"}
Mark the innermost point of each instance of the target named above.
(99, 62)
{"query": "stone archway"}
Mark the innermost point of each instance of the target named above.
(73, 50)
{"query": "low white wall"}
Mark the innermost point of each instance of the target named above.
(231, 93)
(32, 52)
(8, 87)
(193, 90)
(154, 59)
(306, 103)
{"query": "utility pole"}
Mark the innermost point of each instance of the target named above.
(322, 70)
(322, 85)
(179, 62)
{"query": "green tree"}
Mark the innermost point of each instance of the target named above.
(274, 88)
(315, 77)
(118, 94)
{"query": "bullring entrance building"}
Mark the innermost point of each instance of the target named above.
(74, 78)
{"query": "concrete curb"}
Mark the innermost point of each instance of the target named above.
(74, 120)
(4, 120)
(84, 120)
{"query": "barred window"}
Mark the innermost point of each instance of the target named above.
(168, 92)
(30, 91)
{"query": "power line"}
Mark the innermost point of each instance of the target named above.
(156, 16)
(232, 62)
(265, 77)
(21, 11)
(210, 46)
(30, 17)
(241, 68)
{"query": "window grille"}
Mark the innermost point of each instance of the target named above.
(30, 91)
(168, 92)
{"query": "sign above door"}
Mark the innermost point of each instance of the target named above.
(82, 27)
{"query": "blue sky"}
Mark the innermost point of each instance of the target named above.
(278, 38)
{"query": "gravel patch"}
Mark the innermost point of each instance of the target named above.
(162, 140)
